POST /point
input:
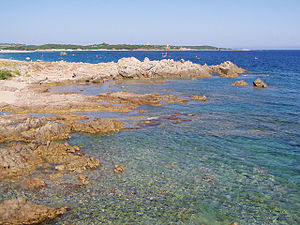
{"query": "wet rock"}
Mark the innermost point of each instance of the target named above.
(58, 153)
(173, 99)
(50, 131)
(34, 183)
(83, 179)
(55, 176)
(12, 126)
(228, 74)
(97, 125)
(18, 159)
(259, 83)
(119, 169)
(208, 178)
(259, 170)
(60, 167)
(21, 211)
(199, 98)
(240, 83)
(192, 114)
(131, 99)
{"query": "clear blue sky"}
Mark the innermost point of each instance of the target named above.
(256, 24)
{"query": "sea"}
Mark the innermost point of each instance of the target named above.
(237, 159)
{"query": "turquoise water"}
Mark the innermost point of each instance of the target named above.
(237, 160)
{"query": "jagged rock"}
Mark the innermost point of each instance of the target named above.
(173, 99)
(97, 125)
(199, 98)
(55, 176)
(21, 211)
(12, 126)
(58, 153)
(34, 183)
(119, 169)
(131, 98)
(129, 67)
(240, 83)
(60, 167)
(17, 160)
(259, 83)
(50, 131)
(83, 179)
(226, 69)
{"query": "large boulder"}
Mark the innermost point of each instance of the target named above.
(133, 68)
(129, 67)
(21, 211)
(226, 69)
(259, 83)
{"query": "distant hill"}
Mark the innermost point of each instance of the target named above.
(103, 46)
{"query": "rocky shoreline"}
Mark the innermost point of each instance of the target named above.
(29, 142)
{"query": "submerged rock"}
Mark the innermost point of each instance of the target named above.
(97, 125)
(199, 98)
(33, 183)
(131, 99)
(240, 83)
(58, 153)
(83, 179)
(21, 211)
(259, 83)
(119, 169)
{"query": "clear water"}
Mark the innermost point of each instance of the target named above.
(237, 160)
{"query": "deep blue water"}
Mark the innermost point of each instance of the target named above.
(237, 160)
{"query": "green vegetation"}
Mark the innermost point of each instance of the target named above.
(106, 46)
(5, 74)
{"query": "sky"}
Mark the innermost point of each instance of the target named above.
(253, 24)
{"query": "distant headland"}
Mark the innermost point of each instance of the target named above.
(107, 47)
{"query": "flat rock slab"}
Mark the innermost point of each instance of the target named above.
(21, 211)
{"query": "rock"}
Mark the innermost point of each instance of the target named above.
(240, 83)
(34, 183)
(129, 67)
(83, 178)
(259, 83)
(58, 153)
(97, 125)
(18, 159)
(60, 167)
(199, 98)
(182, 60)
(173, 99)
(226, 69)
(21, 211)
(55, 176)
(132, 100)
(50, 131)
(119, 169)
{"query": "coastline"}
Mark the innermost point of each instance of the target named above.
(36, 142)
(116, 50)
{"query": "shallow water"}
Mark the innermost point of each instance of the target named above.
(237, 160)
